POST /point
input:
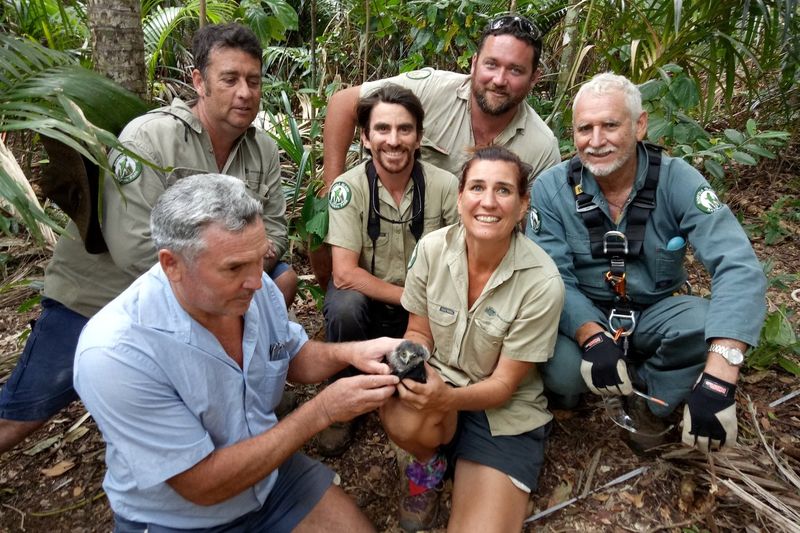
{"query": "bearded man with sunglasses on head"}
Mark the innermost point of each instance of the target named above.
(378, 211)
(486, 106)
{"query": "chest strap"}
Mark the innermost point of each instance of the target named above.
(417, 207)
(638, 212)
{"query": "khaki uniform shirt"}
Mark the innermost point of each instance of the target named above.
(169, 137)
(348, 212)
(516, 316)
(446, 98)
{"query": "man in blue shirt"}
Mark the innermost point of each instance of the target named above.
(182, 373)
(617, 220)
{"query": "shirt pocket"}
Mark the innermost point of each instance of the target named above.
(442, 320)
(588, 270)
(434, 154)
(276, 367)
(487, 338)
(669, 267)
(255, 183)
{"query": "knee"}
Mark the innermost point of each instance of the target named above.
(562, 373)
(345, 305)
(287, 284)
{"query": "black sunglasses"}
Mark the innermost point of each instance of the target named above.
(515, 22)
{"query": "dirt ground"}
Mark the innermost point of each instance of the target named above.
(52, 482)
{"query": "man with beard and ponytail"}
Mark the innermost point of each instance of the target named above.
(617, 220)
(378, 211)
(486, 106)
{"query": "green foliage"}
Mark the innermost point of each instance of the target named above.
(721, 45)
(59, 25)
(778, 344)
(775, 224)
(47, 92)
(671, 98)
(310, 222)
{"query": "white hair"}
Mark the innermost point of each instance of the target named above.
(608, 82)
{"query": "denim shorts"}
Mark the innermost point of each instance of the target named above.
(519, 456)
(41, 383)
(279, 268)
(301, 484)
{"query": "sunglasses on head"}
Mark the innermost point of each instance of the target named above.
(516, 22)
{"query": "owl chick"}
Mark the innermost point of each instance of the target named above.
(406, 361)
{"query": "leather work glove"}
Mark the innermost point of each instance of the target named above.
(603, 366)
(709, 418)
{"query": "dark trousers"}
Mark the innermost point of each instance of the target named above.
(351, 316)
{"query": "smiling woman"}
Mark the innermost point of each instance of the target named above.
(485, 301)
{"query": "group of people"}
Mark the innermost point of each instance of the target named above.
(178, 341)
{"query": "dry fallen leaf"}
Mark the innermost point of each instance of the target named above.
(560, 494)
(59, 468)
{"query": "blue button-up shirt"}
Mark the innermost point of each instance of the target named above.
(165, 395)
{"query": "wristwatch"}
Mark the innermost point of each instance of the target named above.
(733, 356)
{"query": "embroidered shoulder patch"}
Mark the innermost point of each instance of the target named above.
(420, 74)
(534, 221)
(707, 200)
(126, 169)
(339, 195)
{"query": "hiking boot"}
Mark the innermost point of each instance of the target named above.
(648, 430)
(419, 512)
(335, 439)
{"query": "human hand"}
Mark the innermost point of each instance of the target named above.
(433, 395)
(603, 366)
(367, 356)
(709, 417)
(347, 398)
(270, 258)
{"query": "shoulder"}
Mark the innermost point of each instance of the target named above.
(535, 124)
(552, 179)
(351, 184)
(438, 176)
(531, 256)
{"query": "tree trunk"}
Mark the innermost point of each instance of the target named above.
(118, 42)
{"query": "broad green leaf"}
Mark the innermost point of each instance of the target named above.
(658, 127)
(743, 158)
(714, 168)
(751, 127)
(734, 136)
(758, 150)
(789, 365)
(684, 91)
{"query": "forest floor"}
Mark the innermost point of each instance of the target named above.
(53, 481)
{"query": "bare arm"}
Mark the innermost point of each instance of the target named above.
(340, 126)
(317, 361)
(347, 274)
(228, 471)
(492, 392)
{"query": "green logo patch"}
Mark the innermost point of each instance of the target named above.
(339, 195)
(707, 200)
(126, 169)
(534, 221)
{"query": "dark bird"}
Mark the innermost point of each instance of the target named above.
(406, 361)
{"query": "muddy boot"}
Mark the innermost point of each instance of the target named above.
(648, 430)
(423, 485)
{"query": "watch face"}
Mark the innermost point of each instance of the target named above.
(735, 357)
